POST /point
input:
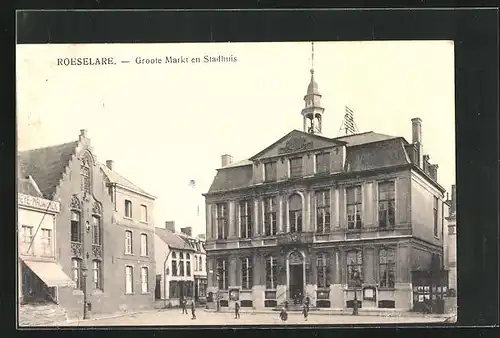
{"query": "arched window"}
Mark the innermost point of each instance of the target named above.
(85, 173)
(295, 213)
(188, 265)
(181, 264)
(174, 264)
(76, 225)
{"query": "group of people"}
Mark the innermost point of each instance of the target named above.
(284, 311)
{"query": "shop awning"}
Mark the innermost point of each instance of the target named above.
(50, 273)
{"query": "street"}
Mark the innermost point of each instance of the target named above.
(175, 317)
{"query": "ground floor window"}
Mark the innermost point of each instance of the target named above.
(181, 289)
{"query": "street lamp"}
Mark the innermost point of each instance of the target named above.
(218, 297)
(357, 282)
(84, 281)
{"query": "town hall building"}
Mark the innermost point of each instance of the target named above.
(327, 220)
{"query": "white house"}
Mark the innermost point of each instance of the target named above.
(39, 275)
(180, 264)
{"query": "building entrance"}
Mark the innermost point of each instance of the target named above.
(296, 277)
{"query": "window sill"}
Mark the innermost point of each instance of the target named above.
(145, 256)
(386, 289)
(144, 222)
(128, 218)
(145, 293)
(246, 290)
(78, 292)
(128, 254)
(97, 292)
(129, 294)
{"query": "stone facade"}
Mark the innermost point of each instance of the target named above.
(298, 219)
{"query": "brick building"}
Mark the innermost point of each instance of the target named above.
(182, 259)
(104, 224)
(300, 218)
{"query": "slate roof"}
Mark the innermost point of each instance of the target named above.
(174, 240)
(47, 165)
(365, 151)
(381, 154)
(232, 178)
(363, 138)
(116, 178)
(27, 186)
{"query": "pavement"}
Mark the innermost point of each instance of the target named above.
(174, 317)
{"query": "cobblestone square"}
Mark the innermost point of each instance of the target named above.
(175, 317)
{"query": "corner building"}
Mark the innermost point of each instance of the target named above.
(104, 224)
(296, 220)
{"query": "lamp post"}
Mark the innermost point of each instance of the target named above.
(84, 281)
(357, 282)
(218, 298)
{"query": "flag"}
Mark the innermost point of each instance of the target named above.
(192, 184)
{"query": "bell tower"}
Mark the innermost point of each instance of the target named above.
(312, 112)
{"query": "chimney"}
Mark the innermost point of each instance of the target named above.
(83, 134)
(109, 164)
(425, 163)
(187, 230)
(453, 207)
(416, 131)
(226, 160)
(170, 225)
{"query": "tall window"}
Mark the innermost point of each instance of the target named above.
(85, 174)
(270, 216)
(96, 230)
(27, 239)
(181, 264)
(201, 264)
(144, 245)
(323, 163)
(76, 273)
(144, 280)
(245, 219)
(174, 264)
(128, 242)
(46, 242)
(354, 264)
(323, 211)
(387, 268)
(144, 213)
(246, 273)
(435, 213)
(222, 274)
(270, 172)
(188, 264)
(323, 264)
(353, 207)
(271, 273)
(222, 220)
(295, 213)
(129, 280)
(386, 204)
(128, 209)
(76, 228)
(96, 275)
(296, 167)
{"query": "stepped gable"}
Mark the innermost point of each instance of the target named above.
(47, 165)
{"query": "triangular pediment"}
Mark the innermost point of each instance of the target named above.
(295, 142)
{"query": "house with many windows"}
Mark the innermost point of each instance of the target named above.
(104, 228)
(180, 266)
(328, 220)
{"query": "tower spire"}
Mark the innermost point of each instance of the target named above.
(312, 112)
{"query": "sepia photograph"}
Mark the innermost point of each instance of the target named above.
(226, 184)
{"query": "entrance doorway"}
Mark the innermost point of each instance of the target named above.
(296, 277)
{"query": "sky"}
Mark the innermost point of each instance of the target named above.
(166, 124)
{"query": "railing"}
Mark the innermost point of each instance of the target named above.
(295, 238)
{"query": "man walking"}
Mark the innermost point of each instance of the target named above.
(183, 306)
(305, 311)
(236, 310)
(193, 310)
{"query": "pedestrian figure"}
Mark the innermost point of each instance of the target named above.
(236, 310)
(193, 310)
(183, 306)
(305, 312)
(283, 314)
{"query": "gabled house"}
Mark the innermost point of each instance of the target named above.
(103, 228)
